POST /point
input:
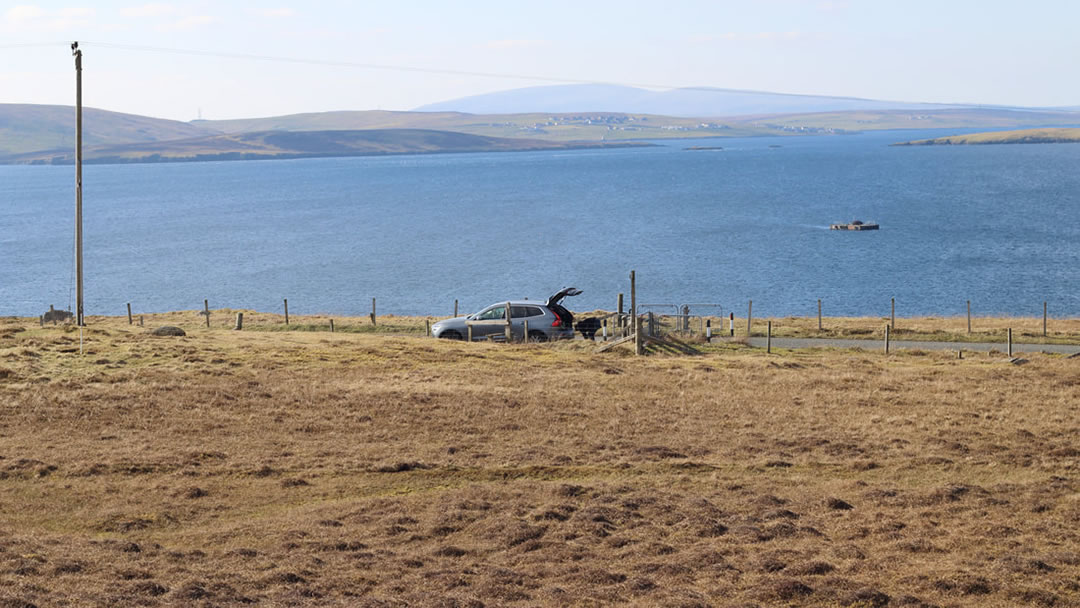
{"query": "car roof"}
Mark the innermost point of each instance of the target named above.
(517, 303)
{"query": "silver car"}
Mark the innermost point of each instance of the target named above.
(547, 321)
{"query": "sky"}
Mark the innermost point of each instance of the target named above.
(945, 51)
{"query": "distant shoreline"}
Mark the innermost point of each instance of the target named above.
(1063, 135)
(240, 156)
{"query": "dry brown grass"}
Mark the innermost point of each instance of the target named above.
(940, 329)
(316, 469)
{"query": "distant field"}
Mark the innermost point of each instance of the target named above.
(303, 144)
(590, 126)
(1025, 136)
(310, 468)
(45, 134)
(29, 128)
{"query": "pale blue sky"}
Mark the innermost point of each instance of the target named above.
(993, 52)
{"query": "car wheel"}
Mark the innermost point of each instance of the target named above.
(450, 335)
(537, 336)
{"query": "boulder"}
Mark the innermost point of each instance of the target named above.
(168, 330)
(57, 316)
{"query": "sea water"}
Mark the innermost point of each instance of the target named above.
(997, 225)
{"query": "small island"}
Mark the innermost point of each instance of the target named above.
(1023, 136)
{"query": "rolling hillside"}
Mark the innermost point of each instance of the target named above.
(955, 118)
(28, 128)
(616, 125)
(300, 144)
(686, 102)
(591, 126)
(45, 134)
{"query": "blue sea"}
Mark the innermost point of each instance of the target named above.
(997, 225)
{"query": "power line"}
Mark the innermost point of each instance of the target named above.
(28, 45)
(446, 72)
(477, 74)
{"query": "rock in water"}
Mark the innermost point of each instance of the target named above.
(168, 330)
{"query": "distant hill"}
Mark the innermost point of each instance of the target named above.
(697, 102)
(948, 118)
(618, 125)
(300, 144)
(28, 128)
(45, 134)
(1024, 136)
(573, 126)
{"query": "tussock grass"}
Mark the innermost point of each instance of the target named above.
(315, 469)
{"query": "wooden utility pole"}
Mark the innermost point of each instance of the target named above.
(78, 186)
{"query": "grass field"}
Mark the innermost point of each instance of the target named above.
(304, 468)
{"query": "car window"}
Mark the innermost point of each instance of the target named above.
(497, 312)
(521, 312)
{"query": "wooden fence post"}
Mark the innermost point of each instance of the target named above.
(140, 321)
(638, 344)
(42, 320)
(768, 339)
(331, 326)
(525, 332)
(469, 331)
(819, 314)
(427, 327)
(286, 311)
(619, 320)
(509, 327)
(130, 322)
(749, 316)
(455, 308)
(373, 311)
(239, 321)
(969, 315)
(206, 309)
(887, 327)
(892, 314)
(1010, 341)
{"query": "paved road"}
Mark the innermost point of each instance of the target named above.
(1067, 349)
